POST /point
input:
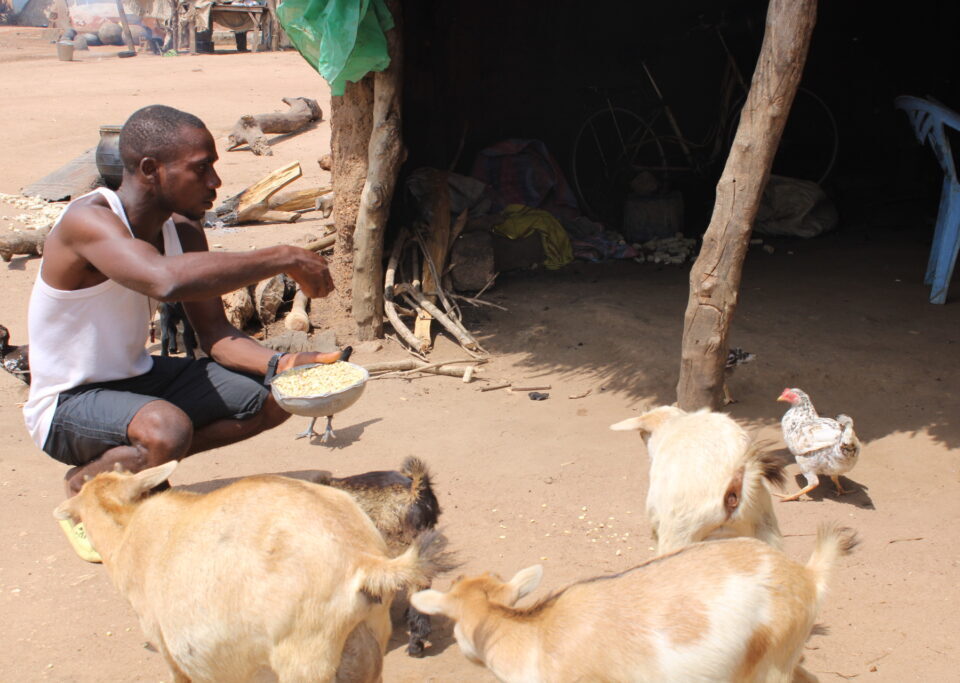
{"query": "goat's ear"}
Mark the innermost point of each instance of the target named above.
(526, 580)
(649, 421)
(147, 479)
(430, 602)
(631, 424)
(64, 510)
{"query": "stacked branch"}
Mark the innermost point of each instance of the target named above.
(421, 304)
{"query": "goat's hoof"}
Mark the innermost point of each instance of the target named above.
(415, 648)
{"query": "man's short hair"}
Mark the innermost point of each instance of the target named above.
(152, 132)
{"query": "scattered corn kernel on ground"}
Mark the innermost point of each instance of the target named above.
(318, 379)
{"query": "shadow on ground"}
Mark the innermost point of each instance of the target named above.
(844, 316)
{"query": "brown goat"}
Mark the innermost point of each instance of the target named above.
(265, 574)
(401, 505)
(729, 610)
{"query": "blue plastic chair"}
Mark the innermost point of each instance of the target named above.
(928, 118)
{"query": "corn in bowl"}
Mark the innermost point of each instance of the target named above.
(319, 380)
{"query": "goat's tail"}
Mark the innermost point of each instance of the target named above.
(426, 557)
(419, 474)
(833, 542)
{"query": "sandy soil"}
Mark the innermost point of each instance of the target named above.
(844, 317)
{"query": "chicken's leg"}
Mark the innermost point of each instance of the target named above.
(840, 490)
(812, 482)
(328, 432)
(308, 431)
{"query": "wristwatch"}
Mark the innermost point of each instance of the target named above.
(272, 367)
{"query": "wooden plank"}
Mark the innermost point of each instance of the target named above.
(78, 176)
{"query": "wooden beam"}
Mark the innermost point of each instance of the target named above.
(715, 276)
(385, 155)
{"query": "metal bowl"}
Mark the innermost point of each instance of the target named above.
(320, 405)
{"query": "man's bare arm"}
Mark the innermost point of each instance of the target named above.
(220, 340)
(93, 233)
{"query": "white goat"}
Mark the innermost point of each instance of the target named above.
(267, 574)
(707, 480)
(730, 610)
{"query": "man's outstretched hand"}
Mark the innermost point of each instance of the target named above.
(292, 360)
(310, 271)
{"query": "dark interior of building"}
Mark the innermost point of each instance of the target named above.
(480, 72)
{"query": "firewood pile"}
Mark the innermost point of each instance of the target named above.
(417, 281)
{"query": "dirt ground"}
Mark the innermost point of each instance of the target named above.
(844, 316)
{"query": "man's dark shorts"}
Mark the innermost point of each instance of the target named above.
(94, 417)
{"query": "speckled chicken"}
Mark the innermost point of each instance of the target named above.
(819, 444)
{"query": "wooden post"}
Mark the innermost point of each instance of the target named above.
(385, 154)
(272, 25)
(715, 276)
(127, 36)
(351, 121)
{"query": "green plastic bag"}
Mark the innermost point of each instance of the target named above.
(343, 40)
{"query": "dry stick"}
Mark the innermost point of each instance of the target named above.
(465, 338)
(478, 302)
(407, 367)
(495, 386)
(545, 387)
(415, 266)
(462, 331)
(393, 338)
(388, 307)
(452, 310)
(444, 370)
(493, 278)
(433, 271)
(410, 364)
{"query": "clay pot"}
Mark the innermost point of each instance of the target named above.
(108, 156)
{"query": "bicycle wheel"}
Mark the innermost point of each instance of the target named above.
(611, 146)
(810, 141)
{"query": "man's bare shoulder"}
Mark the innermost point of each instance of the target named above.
(90, 216)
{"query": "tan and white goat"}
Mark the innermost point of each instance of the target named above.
(707, 479)
(267, 574)
(730, 610)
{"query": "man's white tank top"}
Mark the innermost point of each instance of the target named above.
(96, 334)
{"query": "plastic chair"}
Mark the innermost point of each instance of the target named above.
(928, 118)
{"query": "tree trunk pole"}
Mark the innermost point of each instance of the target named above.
(715, 276)
(386, 153)
(351, 121)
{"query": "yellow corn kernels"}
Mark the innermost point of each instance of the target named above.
(319, 379)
